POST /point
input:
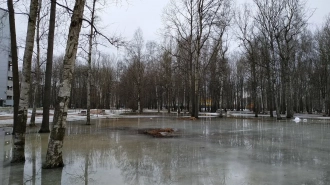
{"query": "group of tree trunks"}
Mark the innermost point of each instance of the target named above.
(280, 66)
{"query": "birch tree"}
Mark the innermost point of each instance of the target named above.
(19, 135)
(54, 151)
(37, 72)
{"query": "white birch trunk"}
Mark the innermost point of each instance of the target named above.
(19, 135)
(54, 151)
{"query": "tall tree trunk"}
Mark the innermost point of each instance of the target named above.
(270, 96)
(139, 86)
(254, 88)
(276, 86)
(221, 96)
(196, 92)
(14, 56)
(289, 104)
(37, 70)
(192, 94)
(277, 104)
(54, 152)
(157, 99)
(88, 119)
(49, 65)
(168, 99)
(283, 95)
(139, 98)
(19, 135)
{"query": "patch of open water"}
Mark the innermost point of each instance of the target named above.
(225, 151)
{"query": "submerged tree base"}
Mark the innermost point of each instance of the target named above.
(43, 131)
(18, 160)
(54, 155)
(18, 150)
(32, 125)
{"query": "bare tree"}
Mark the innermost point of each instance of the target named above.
(152, 76)
(19, 135)
(323, 67)
(291, 25)
(135, 52)
(37, 70)
(90, 47)
(167, 66)
(281, 22)
(248, 38)
(305, 65)
(54, 152)
(14, 55)
(194, 22)
(48, 74)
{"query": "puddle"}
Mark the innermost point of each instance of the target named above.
(208, 151)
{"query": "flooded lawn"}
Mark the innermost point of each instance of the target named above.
(207, 151)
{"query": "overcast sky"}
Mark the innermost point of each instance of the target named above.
(146, 14)
(130, 15)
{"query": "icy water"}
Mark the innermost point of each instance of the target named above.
(208, 151)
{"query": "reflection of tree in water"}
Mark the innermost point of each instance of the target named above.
(82, 152)
(16, 174)
(31, 171)
(141, 159)
(158, 161)
(32, 156)
(92, 150)
(82, 174)
(265, 145)
(284, 144)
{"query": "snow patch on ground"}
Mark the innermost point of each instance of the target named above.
(6, 117)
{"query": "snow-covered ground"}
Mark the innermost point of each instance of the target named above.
(6, 115)
(302, 116)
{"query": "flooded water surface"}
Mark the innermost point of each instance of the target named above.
(224, 151)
